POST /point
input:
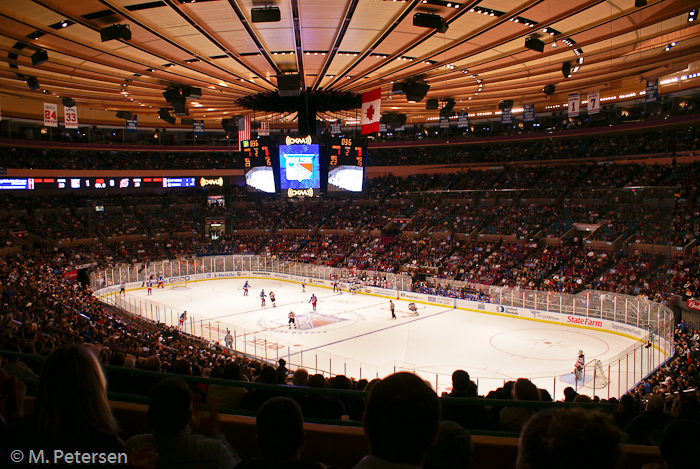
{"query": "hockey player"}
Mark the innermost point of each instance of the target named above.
(292, 319)
(391, 306)
(272, 299)
(122, 289)
(303, 285)
(580, 363)
(413, 308)
(262, 297)
(313, 301)
(149, 285)
(183, 318)
(160, 281)
(245, 288)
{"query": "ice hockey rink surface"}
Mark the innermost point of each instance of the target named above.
(354, 334)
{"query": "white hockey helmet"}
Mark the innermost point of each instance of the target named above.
(580, 352)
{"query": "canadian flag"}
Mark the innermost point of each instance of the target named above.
(371, 102)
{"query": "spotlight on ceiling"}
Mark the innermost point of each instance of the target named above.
(549, 90)
(68, 102)
(125, 115)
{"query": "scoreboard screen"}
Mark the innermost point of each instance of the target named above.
(258, 166)
(346, 167)
(300, 170)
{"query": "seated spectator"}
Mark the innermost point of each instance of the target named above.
(677, 444)
(453, 450)
(401, 421)
(280, 437)
(318, 405)
(468, 416)
(571, 438)
(228, 396)
(172, 414)
(254, 399)
(71, 410)
(513, 418)
(646, 428)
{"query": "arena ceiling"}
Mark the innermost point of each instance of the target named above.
(343, 45)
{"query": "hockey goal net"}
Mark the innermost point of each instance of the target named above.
(594, 375)
(179, 284)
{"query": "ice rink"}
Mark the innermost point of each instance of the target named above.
(354, 334)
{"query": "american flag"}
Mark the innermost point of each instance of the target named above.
(243, 130)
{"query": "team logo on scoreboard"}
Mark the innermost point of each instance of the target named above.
(299, 167)
(298, 140)
(211, 182)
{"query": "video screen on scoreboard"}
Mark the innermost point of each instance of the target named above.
(300, 171)
(346, 166)
(258, 166)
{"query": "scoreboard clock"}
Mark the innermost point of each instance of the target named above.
(256, 153)
(348, 151)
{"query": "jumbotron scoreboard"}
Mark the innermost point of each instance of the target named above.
(346, 168)
(258, 166)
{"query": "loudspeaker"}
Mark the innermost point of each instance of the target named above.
(415, 91)
(505, 104)
(449, 105)
(534, 44)
(33, 83)
(549, 89)
(229, 125)
(68, 102)
(39, 57)
(165, 116)
(289, 85)
(566, 69)
(427, 20)
(191, 92)
(117, 31)
(188, 121)
(125, 115)
(264, 15)
(171, 95)
(431, 104)
(394, 119)
(397, 87)
(640, 3)
(179, 107)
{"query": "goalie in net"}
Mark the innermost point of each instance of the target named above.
(589, 373)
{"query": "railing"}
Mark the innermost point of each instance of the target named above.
(654, 346)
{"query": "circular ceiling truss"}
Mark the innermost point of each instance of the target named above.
(476, 53)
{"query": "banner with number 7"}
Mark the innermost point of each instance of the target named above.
(593, 103)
